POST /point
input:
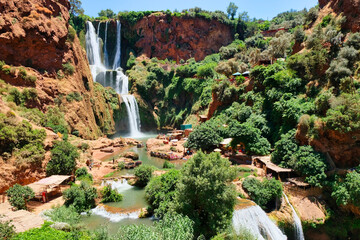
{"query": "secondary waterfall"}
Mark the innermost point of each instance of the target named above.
(257, 222)
(113, 77)
(299, 234)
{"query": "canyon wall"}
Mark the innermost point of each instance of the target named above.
(162, 36)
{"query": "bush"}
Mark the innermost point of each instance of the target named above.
(19, 196)
(348, 190)
(7, 230)
(159, 193)
(81, 197)
(69, 69)
(121, 165)
(110, 195)
(63, 159)
(203, 176)
(32, 154)
(263, 193)
(143, 174)
(168, 164)
(74, 96)
(63, 214)
(83, 174)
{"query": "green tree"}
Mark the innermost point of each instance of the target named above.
(81, 197)
(160, 192)
(231, 10)
(204, 137)
(107, 13)
(19, 196)
(63, 159)
(75, 7)
(143, 174)
(205, 193)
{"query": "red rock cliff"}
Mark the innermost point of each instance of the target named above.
(350, 9)
(180, 37)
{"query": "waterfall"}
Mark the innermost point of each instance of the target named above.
(299, 234)
(257, 222)
(118, 46)
(120, 81)
(120, 186)
(133, 114)
(106, 55)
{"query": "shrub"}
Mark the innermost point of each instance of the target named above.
(74, 96)
(203, 176)
(326, 20)
(63, 159)
(15, 96)
(71, 34)
(31, 78)
(348, 190)
(69, 69)
(19, 196)
(121, 165)
(29, 94)
(143, 174)
(81, 197)
(7, 230)
(32, 154)
(263, 193)
(63, 214)
(23, 72)
(110, 195)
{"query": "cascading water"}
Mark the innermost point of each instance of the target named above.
(257, 222)
(299, 234)
(114, 77)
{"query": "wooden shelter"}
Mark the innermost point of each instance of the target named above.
(299, 182)
(271, 168)
(48, 187)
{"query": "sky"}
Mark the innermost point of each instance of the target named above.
(264, 9)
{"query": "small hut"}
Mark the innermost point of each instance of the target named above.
(48, 187)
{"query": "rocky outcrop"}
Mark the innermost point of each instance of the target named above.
(179, 38)
(343, 148)
(36, 34)
(349, 8)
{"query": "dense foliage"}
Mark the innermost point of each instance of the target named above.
(64, 214)
(172, 226)
(7, 230)
(19, 195)
(265, 192)
(110, 195)
(204, 193)
(63, 159)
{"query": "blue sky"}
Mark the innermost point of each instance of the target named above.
(265, 9)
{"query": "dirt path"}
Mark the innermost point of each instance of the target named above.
(22, 220)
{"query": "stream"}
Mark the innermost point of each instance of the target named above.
(114, 215)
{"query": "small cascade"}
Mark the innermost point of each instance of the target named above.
(114, 217)
(114, 77)
(299, 234)
(257, 222)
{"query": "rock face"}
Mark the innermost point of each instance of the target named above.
(35, 34)
(179, 38)
(349, 8)
(344, 149)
